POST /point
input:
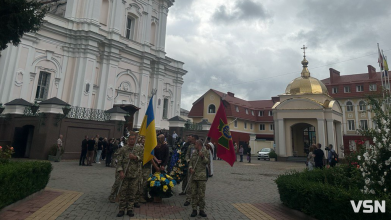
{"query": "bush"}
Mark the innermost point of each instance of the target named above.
(326, 194)
(53, 150)
(272, 154)
(21, 179)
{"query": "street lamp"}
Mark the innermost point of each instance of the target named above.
(66, 110)
(34, 108)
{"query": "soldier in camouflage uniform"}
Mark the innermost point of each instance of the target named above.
(189, 153)
(114, 188)
(128, 155)
(198, 162)
(145, 171)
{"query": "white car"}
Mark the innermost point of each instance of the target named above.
(264, 154)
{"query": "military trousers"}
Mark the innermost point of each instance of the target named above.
(143, 181)
(128, 194)
(186, 182)
(198, 194)
(114, 188)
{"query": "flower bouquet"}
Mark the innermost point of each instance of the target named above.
(161, 185)
(178, 172)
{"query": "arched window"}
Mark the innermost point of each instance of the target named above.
(43, 86)
(153, 34)
(362, 106)
(349, 106)
(212, 109)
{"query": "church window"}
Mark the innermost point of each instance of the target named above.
(129, 27)
(346, 89)
(260, 113)
(43, 86)
(335, 90)
(261, 127)
(360, 88)
(212, 109)
(364, 124)
(165, 108)
(272, 127)
(351, 125)
(362, 106)
(349, 106)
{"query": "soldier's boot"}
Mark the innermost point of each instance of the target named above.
(202, 213)
(120, 214)
(194, 213)
(130, 213)
(143, 200)
(136, 205)
(187, 203)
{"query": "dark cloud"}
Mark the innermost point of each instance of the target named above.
(244, 10)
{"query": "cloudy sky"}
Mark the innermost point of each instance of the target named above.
(252, 47)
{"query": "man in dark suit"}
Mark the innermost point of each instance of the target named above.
(90, 151)
(83, 155)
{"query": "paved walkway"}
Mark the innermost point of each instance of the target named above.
(245, 191)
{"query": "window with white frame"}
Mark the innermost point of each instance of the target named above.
(271, 127)
(349, 106)
(245, 125)
(362, 106)
(334, 90)
(236, 123)
(246, 111)
(374, 125)
(237, 108)
(270, 113)
(129, 27)
(351, 125)
(251, 126)
(260, 113)
(165, 109)
(261, 127)
(43, 86)
(252, 112)
(364, 124)
(372, 87)
(359, 88)
(346, 89)
(212, 109)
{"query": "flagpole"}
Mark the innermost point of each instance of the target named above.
(191, 176)
(381, 68)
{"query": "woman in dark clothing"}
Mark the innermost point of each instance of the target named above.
(109, 152)
(249, 154)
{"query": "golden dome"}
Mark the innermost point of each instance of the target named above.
(306, 84)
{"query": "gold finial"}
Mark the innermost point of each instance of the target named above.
(305, 72)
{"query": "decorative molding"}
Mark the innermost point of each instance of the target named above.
(110, 93)
(125, 86)
(32, 76)
(46, 69)
(19, 78)
(57, 82)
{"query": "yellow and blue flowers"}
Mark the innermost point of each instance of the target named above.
(161, 185)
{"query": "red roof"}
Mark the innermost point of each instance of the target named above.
(356, 78)
(233, 102)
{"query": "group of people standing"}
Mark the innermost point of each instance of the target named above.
(96, 148)
(241, 151)
(316, 156)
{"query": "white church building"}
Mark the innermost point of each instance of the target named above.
(96, 54)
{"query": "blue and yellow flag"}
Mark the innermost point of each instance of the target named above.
(149, 132)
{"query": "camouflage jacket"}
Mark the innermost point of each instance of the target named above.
(200, 167)
(140, 148)
(134, 165)
(189, 152)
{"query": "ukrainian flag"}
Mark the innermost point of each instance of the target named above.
(149, 132)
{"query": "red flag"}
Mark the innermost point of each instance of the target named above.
(220, 132)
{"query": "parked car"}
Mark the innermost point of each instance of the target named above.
(264, 154)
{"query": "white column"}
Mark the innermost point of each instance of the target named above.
(281, 145)
(344, 119)
(338, 128)
(321, 133)
(117, 15)
(370, 123)
(355, 109)
(161, 37)
(71, 8)
(11, 56)
(330, 132)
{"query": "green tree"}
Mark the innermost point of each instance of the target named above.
(18, 17)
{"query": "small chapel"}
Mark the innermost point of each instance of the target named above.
(306, 114)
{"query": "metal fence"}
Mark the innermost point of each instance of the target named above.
(88, 114)
(27, 112)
